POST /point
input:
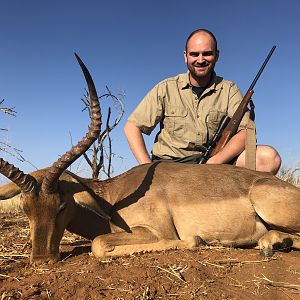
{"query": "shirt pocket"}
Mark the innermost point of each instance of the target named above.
(175, 120)
(213, 120)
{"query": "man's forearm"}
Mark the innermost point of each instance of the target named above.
(233, 148)
(136, 143)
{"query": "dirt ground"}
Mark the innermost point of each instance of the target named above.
(204, 273)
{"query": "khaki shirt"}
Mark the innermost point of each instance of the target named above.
(186, 121)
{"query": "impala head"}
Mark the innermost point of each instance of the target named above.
(48, 210)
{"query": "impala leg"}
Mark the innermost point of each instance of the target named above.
(141, 239)
(276, 240)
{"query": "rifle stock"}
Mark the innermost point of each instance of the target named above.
(233, 125)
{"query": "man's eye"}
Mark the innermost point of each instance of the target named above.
(205, 53)
(208, 53)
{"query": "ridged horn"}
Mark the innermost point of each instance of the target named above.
(25, 182)
(49, 184)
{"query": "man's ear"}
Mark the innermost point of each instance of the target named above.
(217, 55)
(185, 56)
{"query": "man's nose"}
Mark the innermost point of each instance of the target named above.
(200, 58)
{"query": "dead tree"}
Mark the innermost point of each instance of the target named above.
(100, 159)
(7, 110)
(4, 146)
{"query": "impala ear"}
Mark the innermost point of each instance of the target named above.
(86, 200)
(9, 190)
(97, 210)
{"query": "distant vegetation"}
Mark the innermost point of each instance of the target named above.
(99, 157)
(5, 145)
(290, 175)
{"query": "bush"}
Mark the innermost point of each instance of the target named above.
(290, 175)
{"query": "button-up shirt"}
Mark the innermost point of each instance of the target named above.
(186, 120)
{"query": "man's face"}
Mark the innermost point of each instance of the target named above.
(201, 56)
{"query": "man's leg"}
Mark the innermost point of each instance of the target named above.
(267, 159)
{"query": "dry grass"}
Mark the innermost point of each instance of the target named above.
(290, 175)
(10, 251)
(12, 205)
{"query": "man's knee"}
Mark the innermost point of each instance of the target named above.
(267, 159)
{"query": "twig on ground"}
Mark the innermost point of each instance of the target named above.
(279, 283)
(175, 271)
(235, 261)
(7, 276)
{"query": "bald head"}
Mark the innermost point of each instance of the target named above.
(202, 31)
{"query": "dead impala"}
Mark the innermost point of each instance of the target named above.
(153, 207)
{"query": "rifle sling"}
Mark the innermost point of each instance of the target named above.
(250, 147)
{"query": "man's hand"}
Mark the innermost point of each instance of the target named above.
(232, 149)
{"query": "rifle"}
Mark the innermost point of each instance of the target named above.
(228, 127)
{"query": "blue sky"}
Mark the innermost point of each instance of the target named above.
(130, 46)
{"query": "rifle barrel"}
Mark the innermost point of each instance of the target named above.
(262, 68)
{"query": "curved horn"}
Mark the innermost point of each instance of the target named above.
(25, 182)
(49, 184)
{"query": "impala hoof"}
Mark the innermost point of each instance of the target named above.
(266, 252)
(42, 259)
(100, 248)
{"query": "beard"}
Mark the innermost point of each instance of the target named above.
(201, 71)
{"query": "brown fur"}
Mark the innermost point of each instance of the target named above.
(164, 206)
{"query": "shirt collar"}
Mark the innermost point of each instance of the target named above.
(185, 82)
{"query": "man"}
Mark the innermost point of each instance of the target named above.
(189, 108)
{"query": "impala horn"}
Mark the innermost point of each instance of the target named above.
(50, 181)
(25, 182)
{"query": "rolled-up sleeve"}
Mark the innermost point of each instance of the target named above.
(149, 112)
